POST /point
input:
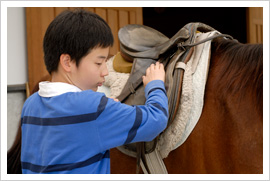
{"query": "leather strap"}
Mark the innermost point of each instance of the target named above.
(180, 65)
(141, 160)
(155, 164)
(205, 40)
(135, 82)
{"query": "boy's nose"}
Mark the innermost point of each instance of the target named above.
(105, 71)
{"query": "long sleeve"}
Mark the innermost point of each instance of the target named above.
(120, 124)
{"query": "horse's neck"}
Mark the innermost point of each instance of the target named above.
(239, 104)
(237, 107)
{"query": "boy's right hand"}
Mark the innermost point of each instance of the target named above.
(154, 72)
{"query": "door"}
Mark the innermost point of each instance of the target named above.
(255, 25)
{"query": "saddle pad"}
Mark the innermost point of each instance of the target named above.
(115, 80)
(192, 98)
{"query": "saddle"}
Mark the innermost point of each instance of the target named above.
(143, 46)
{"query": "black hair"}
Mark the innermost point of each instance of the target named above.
(75, 33)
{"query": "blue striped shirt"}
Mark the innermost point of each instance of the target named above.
(74, 131)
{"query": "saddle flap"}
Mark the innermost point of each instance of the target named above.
(138, 70)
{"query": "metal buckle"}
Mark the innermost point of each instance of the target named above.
(181, 45)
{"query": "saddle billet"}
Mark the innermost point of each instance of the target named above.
(145, 50)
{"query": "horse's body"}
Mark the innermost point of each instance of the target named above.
(228, 137)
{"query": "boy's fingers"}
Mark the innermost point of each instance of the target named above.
(157, 65)
(147, 71)
(114, 99)
(161, 65)
(152, 66)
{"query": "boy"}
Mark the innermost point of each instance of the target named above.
(68, 127)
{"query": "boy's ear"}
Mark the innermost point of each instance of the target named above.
(65, 62)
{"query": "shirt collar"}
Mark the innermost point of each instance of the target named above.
(51, 89)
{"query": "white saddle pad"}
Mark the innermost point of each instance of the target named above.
(192, 98)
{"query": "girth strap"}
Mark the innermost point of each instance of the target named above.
(155, 164)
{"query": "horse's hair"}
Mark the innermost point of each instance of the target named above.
(241, 67)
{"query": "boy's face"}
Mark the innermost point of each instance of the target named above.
(91, 70)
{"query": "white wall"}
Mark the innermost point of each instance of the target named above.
(16, 46)
(16, 68)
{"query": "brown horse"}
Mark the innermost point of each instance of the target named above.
(228, 137)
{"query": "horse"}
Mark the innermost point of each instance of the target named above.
(228, 138)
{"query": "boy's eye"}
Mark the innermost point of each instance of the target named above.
(98, 63)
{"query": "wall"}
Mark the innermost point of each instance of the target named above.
(16, 46)
(16, 68)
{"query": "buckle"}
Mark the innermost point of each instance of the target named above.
(181, 45)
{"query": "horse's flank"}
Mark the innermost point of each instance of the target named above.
(228, 137)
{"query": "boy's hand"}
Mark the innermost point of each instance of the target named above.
(154, 72)
(114, 99)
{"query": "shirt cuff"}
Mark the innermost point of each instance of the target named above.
(152, 85)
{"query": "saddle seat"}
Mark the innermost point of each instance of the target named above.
(137, 38)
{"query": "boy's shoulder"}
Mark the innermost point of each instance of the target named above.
(31, 98)
(84, 101)
(86, 94)
(76, 96)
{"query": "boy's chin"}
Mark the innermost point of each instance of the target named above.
(94, 89)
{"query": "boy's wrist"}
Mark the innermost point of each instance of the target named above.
(153, 84)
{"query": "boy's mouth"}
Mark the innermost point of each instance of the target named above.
(100, 84)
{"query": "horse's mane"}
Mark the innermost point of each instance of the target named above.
(241, 69)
